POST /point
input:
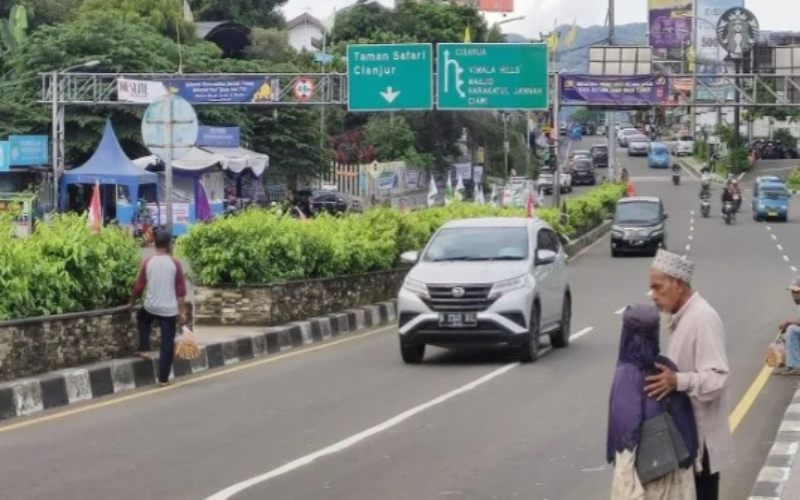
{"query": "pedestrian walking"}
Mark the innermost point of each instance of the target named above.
(791, 329)
(162, 282)
(630, 407)
(697, 346)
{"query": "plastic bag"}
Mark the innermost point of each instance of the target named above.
(776, 354)
(186, 345)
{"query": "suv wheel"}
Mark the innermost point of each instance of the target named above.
(412, 354)
(529, 350)
(560, 338)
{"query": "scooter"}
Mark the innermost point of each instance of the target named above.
(728, 212)
(676, 175)
(705, 206)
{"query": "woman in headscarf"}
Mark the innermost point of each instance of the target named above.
(630, 406)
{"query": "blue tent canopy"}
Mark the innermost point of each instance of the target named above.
(109, 165)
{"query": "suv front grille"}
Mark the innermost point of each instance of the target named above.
(474, 298)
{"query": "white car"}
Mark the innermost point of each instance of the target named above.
(624, 134)
(547, 178)
(492, 281)
(683, 146)
(638, 145)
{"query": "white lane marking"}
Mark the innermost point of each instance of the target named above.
(361, 436)
(357, 438)
(786, 258)
(775, 238)
(794, 269)
(690, 237)
(769, 228)
(649, 293)
(780, 247)
(585, 331)
(688, 248)
(620, 311)
(691, 212)
(691, 229)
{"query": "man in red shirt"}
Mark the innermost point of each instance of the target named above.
(162, 282)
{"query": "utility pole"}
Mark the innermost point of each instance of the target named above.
(611, 22)
(612, 153)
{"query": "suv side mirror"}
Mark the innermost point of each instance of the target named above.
(410, 257)
(545, 257)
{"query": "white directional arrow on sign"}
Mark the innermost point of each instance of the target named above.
(389, 94)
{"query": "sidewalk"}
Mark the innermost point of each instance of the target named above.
(779, 478)
(219, 347)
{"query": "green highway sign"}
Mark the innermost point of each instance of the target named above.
(492, 76)
(390, 77)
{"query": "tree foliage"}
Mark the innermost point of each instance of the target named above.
(272, 45)
(248, 12)
(166, 16)
(43, 11)
(391, 137)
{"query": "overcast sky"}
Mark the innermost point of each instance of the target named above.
(774, 15)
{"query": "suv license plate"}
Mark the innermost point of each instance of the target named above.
(772, 214)
(458, 319)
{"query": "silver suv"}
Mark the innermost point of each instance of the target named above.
(493, 281)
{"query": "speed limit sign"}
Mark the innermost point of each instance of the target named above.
(303, 88)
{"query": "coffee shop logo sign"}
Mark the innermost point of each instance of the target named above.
(737, 31)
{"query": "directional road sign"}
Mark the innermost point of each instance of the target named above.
(390, 77)
(492, 76)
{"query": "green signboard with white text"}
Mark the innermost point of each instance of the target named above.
(390, 77)
(473, 76)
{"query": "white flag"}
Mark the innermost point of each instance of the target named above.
(432, 192)
(448, 194)
(479, 199)
(459, 194)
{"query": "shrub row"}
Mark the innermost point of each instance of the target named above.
(260, 246)
(63, 268)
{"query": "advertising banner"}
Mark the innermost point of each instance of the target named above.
(615, 90)
(227, 90)
(670, 23)
(141, 91)
(29, 150)
(219, 137)
(5, 155)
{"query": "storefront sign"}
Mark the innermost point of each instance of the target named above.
(219, 137)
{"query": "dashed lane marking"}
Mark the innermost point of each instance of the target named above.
(775, 238)
(780, 247)
(620, 310)
(786, 258)
(794, 269)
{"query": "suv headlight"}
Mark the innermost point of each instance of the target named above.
(617, 231)
(418, 288)
(657, 231)
(507, 286)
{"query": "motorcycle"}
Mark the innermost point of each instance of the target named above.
(676, 175)
(705, 205)
(728, 212)
(705, 189)
(737, 202)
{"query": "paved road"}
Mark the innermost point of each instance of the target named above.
(471, 425)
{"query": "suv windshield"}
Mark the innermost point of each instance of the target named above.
(479, 243)
(660, 150)
(774, 193)
(599, 151)
(637, 211)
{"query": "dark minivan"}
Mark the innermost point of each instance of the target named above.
(599, 155)
(639, 226)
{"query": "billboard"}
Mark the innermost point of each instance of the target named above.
(252, 89)
(670, 23)
(489, 5)
(625, 91)
(710, 55)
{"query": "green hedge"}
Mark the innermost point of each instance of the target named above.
(63, 267)
(260, 246)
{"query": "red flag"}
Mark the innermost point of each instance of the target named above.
(630, 191)
(530, 206)
(95, 213)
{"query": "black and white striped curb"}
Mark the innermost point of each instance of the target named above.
(774, 475)
(50, 390)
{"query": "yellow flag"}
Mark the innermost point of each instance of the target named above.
(552, 41)
(569, 40)
(467, 35)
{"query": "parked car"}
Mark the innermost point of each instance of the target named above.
(638, 145)
(639, 226)
(770, 201)
(332, 202)
(772, 150)
(600, 155)
(547, 178)
(658, 156)
(683, 146)
(486, 282)
(583, 172)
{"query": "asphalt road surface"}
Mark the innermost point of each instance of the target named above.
(351, 421)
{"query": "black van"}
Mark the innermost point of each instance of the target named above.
(599, 155)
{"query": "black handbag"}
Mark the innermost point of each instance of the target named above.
(661, 448)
